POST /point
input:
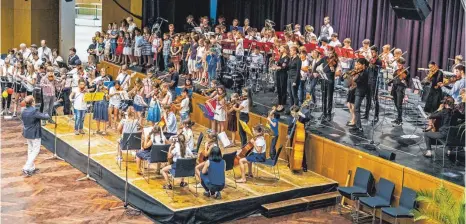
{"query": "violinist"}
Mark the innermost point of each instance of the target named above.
(100, 113)
(365, 50)
(48, 86)
(399, 84)
(360, 77)
(372, 95)
(243, 108)
(304, 73)
(232, 119)
(434, 97)
(183, 106)
(257, 154)
(313, 75)
(458, 84)
(80, 106)
(330, 68)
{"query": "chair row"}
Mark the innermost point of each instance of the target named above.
(362, 190)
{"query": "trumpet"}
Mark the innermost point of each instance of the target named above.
(309, 28)
(269, 23)
(289, 29)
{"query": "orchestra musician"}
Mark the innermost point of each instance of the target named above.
(309, 33)
(281, 76)
(100, 113)
(80, 106)
(204, 155)
(178, 150)
(272, 119)
(365, 50)
(448, 117)
(399, 84)
(434, 97)
(257, 154)
(73, 57)
(331, 68)
(297, 116)
(190, 24)
(386, 56)
(372, 95)
(304, 73)
(294, 76)
(48, 86)
(458, 61)
(454, 86)
(232, 119)
(213, 174)
(151, 136)
(326, 30)
(360, 77)
(243, 108)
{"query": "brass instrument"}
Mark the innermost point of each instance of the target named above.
(289, 29)
(269, 24)
(309, 28)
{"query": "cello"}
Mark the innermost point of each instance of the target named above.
(295, 159)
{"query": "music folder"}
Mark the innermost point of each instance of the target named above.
(96, 96)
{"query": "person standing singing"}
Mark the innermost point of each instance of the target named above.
(31, 118)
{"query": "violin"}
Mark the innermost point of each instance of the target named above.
(448, 81)
(352, 75)
(430, 75)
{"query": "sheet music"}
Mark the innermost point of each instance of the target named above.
(422, 111)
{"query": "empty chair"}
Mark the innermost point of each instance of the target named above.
(184, 168)
(158, 154)
(362, 186)
(407, 203)
(382, 198)
(230, 163)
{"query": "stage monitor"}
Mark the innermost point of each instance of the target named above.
(411, 9)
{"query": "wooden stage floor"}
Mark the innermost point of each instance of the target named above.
(103, 152)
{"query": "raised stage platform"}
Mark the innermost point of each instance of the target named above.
(186, 207)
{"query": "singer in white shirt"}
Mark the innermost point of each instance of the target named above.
(44, 51)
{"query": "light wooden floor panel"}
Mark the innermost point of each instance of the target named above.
(103, 151)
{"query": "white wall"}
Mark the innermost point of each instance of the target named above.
(66, 27)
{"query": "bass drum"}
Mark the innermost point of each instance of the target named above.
(228, 80)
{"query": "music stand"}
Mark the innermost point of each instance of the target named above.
(90, 97)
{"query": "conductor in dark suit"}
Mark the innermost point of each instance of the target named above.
(32, 131)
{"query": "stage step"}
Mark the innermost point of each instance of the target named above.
(299, 204)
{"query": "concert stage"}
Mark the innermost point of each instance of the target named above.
(186, 207)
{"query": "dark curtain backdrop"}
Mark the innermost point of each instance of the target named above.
(175, 11)
(439, 37)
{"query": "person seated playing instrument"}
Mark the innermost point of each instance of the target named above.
(204, 155)
(213, 174)
(257, 154)
(448, 116)
(257, 58)
(177, 151)
(151, 136)
(128, 125)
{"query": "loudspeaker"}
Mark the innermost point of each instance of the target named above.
(411, 9)
(387, 155)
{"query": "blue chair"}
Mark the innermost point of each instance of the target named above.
(272, 163)
(362, 187)
(158, 154)
(184, 168)
(129, 141)
(407, 203)
(230, 164)
(382, 198)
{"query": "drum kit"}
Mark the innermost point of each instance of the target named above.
(245, 71)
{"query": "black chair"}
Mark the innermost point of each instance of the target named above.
(199, 141)
(158, 154)
(382, 198)
(230, 164)
(272, 163)
(129, 141)
(455, 138)
(407, 203)
(362, 187)
(184, 168)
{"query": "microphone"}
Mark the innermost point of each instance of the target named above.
(451, 59)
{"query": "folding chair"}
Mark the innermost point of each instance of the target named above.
(382, 198)
(362, 186)
(455, 138)
(158, 154)
(129, 141)
(230, 163)
(184, 168)
(272, 163)
(407, 203)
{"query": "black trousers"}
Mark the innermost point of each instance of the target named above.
(357, 107)
(293, 91)
(327, 96)
(398, 98)
(281, 79)
(372, 97)
(430, 136)
(66, 102)
(242, 134)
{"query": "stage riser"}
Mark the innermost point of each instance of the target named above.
(305, 206)
(215, 213)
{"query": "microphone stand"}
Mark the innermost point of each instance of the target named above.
(55, 155)
(88, 177)
(129, 209)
